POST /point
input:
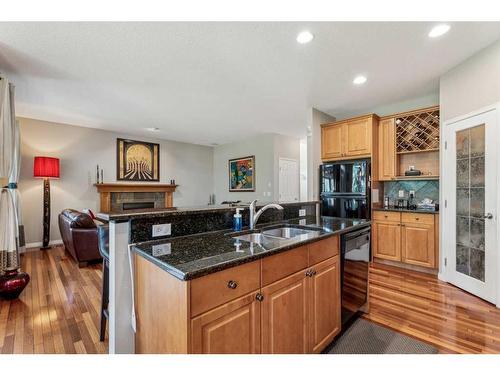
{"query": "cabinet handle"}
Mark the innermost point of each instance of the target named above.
(313, 272)
(308, 273)
(232, 284)
(259, 297)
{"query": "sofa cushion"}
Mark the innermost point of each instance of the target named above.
(78, 219)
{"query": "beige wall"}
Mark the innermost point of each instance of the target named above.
(267, 148)
(473, 84)
(80, 150)
(314, 151)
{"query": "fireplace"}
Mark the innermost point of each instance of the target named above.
(118, 197)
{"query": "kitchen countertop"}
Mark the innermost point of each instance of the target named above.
(197, 255)
(418, 211)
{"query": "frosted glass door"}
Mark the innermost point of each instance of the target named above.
(470, 202)
(469, 180)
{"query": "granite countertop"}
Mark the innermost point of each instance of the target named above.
(197, 255)
(418, 210)
(156, 212)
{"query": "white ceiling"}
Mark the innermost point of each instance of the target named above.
(217, 82)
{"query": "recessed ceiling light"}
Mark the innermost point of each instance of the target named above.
(152, 129)
(439, 30)
(359, 80)
(304, 37)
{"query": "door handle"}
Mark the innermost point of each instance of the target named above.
(489, 215)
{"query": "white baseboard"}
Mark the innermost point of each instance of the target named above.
(39, 244)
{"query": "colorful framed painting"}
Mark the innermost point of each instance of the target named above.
(137, 161)
(242, 174)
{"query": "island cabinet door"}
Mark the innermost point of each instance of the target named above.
(233, 328)
(324, 304)
(386, 240)
(285, 316)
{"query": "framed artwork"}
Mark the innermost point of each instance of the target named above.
(137, 161)
(242, 174)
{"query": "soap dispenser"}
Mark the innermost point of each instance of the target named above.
(237, 220)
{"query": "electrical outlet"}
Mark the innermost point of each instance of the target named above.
(302, 222)
(163, 249)
(302, 212)
(412, 192)
(411, 167)
(401, 194)
(161, 230)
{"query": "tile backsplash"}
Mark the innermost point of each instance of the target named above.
(423, 189)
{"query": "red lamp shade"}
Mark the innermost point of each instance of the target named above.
(45, 167)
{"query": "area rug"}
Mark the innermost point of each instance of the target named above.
(365, 337)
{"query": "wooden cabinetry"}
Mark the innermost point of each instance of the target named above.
(284, 303)
(409, 238)
(324, 294)
(409, 139)
(284, 316)
(387, 150)
(386, 241)
(231, 328)
(348, 139)
(332, 144)
(417, 244)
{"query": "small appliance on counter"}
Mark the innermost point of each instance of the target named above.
(413, 172)
(402, 204)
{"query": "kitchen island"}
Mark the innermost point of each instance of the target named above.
(275, 289)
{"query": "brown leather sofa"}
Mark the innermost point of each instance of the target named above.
(80, 236)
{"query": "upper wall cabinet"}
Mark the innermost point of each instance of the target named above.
(387, 149)
(348, 139)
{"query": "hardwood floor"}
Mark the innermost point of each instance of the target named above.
(58, 312)
(421, 306)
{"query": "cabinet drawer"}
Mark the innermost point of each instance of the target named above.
(213, 290)
(417, 218)
(387, 216)
(281, 265)
(324, 249)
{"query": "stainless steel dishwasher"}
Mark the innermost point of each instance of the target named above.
(355, 259)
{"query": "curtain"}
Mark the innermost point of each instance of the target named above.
(11, 237)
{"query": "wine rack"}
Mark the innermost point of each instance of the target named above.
(417, 131)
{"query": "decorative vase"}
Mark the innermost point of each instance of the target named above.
(12, 283)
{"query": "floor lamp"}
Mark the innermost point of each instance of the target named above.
(46, 168)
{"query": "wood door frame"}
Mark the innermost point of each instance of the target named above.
(446, 185)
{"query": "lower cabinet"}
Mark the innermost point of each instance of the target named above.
(301, 313)
(418, 244)
(231, 328)
(410, 238)
(284, 315)
(324, 297)
(386, 240)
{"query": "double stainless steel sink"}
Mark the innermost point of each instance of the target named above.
(280, 233)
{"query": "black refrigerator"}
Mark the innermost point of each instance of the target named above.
(345, 189)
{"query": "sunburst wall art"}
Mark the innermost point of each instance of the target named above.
(137, 161)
